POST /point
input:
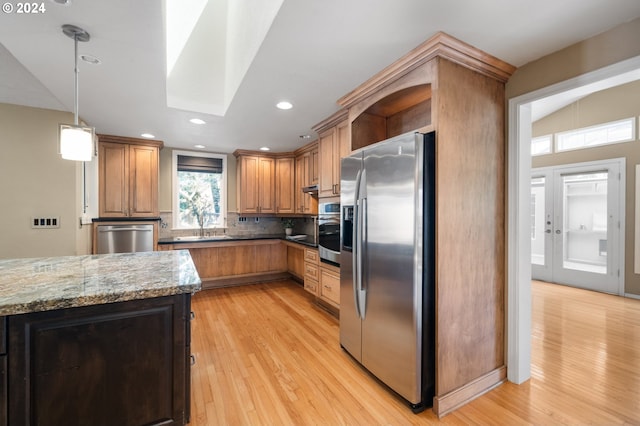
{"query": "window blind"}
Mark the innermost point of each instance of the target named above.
(187, 163)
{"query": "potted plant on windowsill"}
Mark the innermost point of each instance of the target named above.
(287, 224)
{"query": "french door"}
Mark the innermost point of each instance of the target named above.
(576, 225)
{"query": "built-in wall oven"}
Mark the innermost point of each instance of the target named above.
(329, 232)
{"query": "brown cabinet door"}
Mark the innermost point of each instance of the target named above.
(326, 145)
(113, 169)
(342, 149)
(300, 182)
(128, 179)
(256, 184)
(117, 364)
(285, 184)
(314, 166)
(267, 185)
(248, 186)
(143, 181)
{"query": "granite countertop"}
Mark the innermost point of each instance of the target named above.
(226, 237)
(43, 284)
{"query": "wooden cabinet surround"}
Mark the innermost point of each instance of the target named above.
(128, 177)
(458, 91)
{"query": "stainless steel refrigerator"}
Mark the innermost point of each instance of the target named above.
(387, 291)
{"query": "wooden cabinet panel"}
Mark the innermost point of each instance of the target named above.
(295, 261)
(236, 262)
(329, 285)
(113, 179)
(314, 166)
(326, 154)
(256, 184)
(143, 178)
(285, 184)
(118, 364)
(267, 185)
(334, 144)
(128, 177)
(305, 203)
(270, 257)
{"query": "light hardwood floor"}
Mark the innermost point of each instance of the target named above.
(266, 355)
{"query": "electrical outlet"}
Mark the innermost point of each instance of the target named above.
(45, 222)
(242, 219)
(257, 219)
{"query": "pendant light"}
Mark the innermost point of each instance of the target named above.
(76, 142)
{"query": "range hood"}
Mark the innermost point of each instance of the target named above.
(311, 189)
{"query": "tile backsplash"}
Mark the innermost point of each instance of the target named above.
(237, 227)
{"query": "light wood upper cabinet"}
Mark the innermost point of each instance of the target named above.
(285, 184)
(334, 143)
(128, 177)
(305, 203)
(256, 184)
(315, 170)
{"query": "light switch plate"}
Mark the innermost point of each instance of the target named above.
(48, 222)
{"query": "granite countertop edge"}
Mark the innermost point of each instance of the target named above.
(43, 284)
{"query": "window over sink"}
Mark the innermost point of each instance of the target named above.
(199, 190)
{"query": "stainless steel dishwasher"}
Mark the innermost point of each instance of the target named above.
(126, 238)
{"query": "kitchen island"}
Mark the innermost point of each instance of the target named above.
(97, 340)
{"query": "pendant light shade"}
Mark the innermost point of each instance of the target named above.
(76, 142)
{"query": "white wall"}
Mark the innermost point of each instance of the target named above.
(35, 181)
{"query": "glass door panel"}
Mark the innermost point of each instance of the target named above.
(585, 222)
(576, 225)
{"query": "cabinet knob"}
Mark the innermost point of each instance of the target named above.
(192, 315)
(192, 358)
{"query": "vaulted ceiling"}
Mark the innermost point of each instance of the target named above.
(236, 60)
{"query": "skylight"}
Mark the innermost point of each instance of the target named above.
(210, 46)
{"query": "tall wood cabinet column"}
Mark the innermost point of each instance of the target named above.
(450, 87)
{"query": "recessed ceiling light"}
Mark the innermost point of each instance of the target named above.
(62, 2)
(199, 146)
(197, 121)
(304, 136)
(284, 105)
(147, 135)
(90, 59)
(265, 148)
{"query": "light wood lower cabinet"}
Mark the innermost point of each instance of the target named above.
(311, 271)
(221, 264)
(295, 259)
(329, 284)
(227, 263)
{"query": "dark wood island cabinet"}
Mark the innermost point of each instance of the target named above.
(124, 361)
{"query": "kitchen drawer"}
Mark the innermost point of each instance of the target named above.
(310, 271)
(311, 286)
(329, 286)
(311, 255)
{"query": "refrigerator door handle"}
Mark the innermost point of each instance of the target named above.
(355, 253)
(362, 290)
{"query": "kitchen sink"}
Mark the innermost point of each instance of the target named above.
(202, 238)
